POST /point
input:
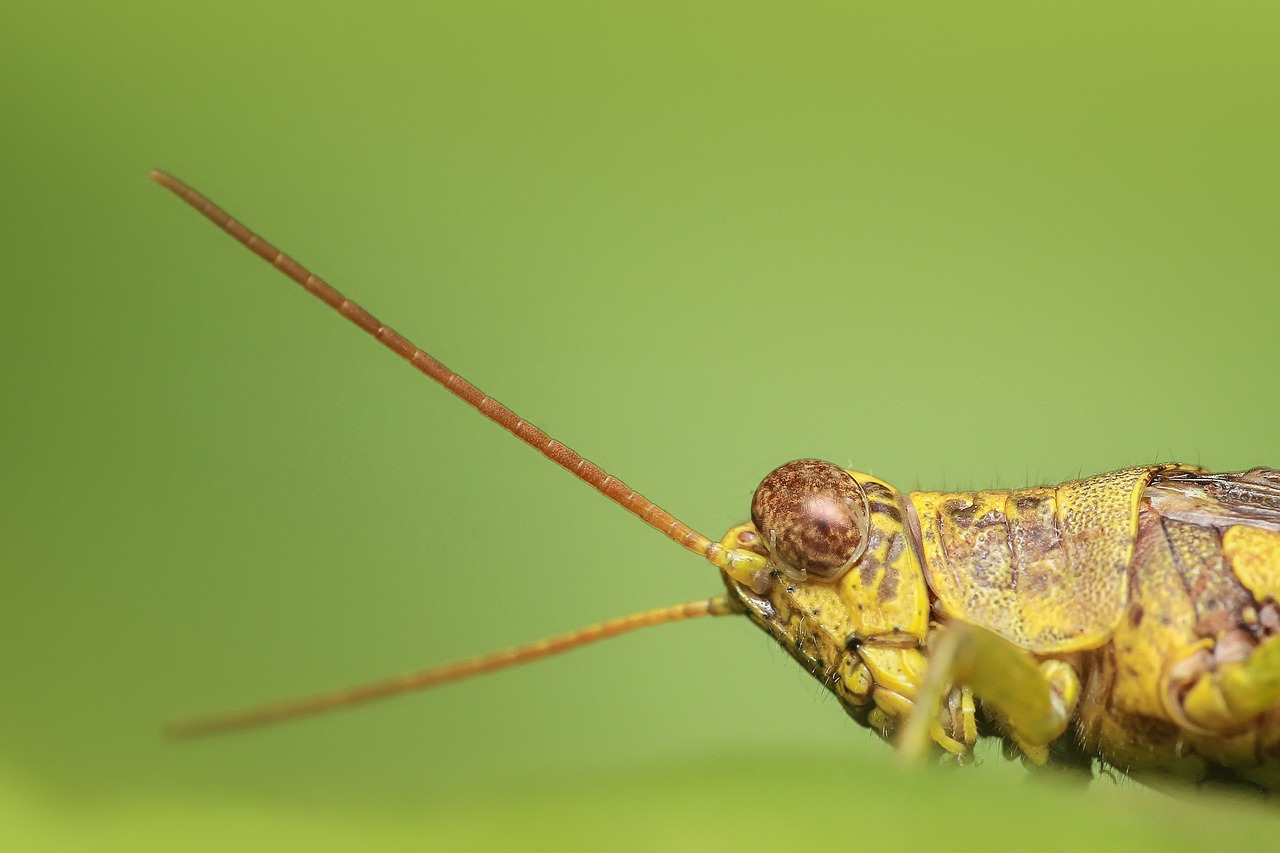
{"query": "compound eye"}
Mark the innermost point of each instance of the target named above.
(813, 518)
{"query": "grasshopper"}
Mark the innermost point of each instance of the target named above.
(1129, 618)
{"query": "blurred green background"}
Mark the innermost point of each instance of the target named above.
(956, 245)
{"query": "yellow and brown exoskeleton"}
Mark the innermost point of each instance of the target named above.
(1129, 617)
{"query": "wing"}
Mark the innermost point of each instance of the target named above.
(1251, 498)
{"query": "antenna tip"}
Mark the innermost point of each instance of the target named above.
(178, 731)
(163, 178)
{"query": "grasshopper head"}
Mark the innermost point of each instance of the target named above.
(840, 573)
(818, 531)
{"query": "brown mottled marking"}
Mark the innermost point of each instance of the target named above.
(1211, 587)
(868, 568)
(886, 508)
(876, 490)
(888, 584)
(813, 517)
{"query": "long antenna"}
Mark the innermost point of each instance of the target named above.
(740, 564)
(292, 709)
(609, 486)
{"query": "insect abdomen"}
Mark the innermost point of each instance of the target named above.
(1202, 600)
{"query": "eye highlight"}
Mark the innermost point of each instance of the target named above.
(813, 517)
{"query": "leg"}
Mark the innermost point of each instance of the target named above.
(1228, 696)
(1033, 699)
(896, 707)
(1222, 684)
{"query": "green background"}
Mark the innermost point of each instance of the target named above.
(956, 245)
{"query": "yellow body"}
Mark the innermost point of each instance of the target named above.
(1128, 617)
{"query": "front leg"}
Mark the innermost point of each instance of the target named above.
(1033, 700)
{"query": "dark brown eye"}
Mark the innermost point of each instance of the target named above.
(813, 517)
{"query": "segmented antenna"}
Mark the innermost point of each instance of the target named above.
(292, 709)
(739, 563)
(585, 470)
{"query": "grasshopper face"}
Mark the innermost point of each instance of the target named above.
(843, 591)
